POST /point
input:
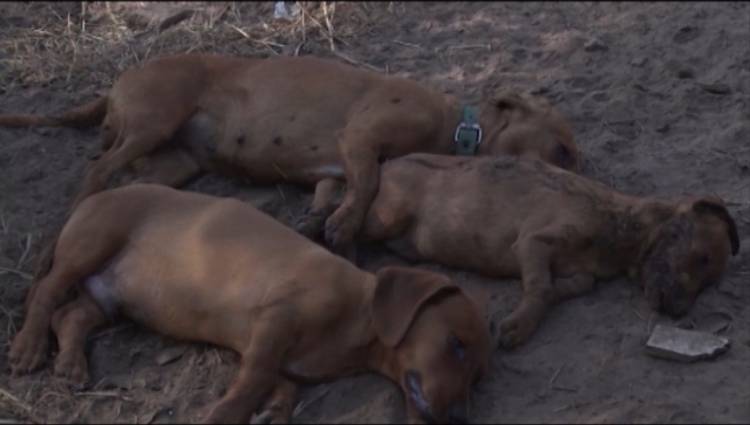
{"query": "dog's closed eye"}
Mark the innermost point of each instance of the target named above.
(563, 155)
(457, 347)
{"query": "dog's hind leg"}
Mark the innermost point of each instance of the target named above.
(72, 323)
(86, 243)
(573, 286)
(129, 146)
(29, 347)
(98, 174)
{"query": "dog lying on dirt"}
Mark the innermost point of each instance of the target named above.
(557, 231)
(216, 270)
(294, 119)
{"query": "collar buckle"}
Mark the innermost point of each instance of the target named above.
(468, 134)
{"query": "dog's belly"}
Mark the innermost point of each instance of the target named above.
(277, 121)
(249, 151)
(174, 303)
(289, 170)
(453, 239)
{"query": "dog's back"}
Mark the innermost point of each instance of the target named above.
(468, 212)
(156, 247)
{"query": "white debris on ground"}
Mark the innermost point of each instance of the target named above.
(281, 11)
(672, 343)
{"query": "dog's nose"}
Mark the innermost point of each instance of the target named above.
(674, 310)
(457, 414)
(673, 306)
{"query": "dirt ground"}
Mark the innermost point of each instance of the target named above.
(659, 98)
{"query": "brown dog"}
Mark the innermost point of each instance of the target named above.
(217, 270)
(295, 119)
(509, 218)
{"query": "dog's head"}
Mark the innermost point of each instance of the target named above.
(529, 127)
(437, 342)
(686, 253)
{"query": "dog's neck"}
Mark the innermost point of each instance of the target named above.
(454, 115)
(355, 347)
(488, 119)
(491, 125)
(642, 218)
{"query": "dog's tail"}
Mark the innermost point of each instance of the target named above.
(87, 115)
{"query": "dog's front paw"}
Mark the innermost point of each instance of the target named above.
(27, 352)
(72, 365)
(515, 330)
(226, 412)
(310, 225)
(275, 412)
(340, 229)
(264, 417)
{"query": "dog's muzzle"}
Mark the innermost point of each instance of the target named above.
(456, 413)
(416, 396)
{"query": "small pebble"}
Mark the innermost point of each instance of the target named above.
(595, 45)
(686, 34)
(663, 128)
(684, 74)
(716, 88)
(639, 61)
(170, 354)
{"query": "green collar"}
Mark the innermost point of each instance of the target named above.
(468, 135)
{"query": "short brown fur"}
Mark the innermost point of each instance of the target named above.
(216, 270)
(557, 231)
(291, 119)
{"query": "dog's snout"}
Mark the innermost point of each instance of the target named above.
(674, 308)
(672, 301)
(457, 414)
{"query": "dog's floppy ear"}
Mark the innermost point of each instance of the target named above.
(511, 100)
(506, 103)
(716, 207)
(399, 295)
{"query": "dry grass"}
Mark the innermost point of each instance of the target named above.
(48, 43)
(18, 407)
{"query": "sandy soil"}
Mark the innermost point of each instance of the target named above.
(659, 97)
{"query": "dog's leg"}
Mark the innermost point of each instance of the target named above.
(366, 141)
(170, 167)
(414, 416)
(76, 258)
(362, 178)
(29, 347)
(539, 296)
(279, 407)
(534, 254)
(251, 385)
(72, 323)
(117, 157)
(571, 287)
(258, 374)
(326, 200)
